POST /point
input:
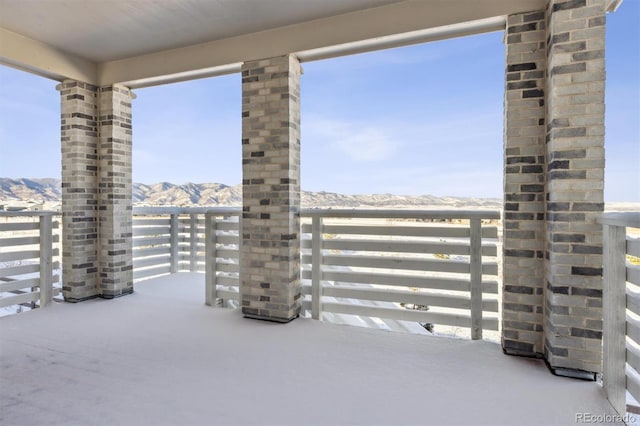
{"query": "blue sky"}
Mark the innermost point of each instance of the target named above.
(424, 119)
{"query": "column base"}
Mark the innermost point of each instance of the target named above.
(116, 294)
(517, 348)
(79, 299)
(267, 318)
(572, 373)
(521, 353)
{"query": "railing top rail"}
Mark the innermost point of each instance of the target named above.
(29, 213)
(404, 214)
(186, 210)
(630, 219)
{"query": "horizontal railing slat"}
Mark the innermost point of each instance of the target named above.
(186, 220)
(427, 281)
(633, 382)
(403, 263)
(19, 270)
(153, 251)
(633, 329)
(19, 255)
(227, 239)
(19, 241)
(141, 221)
(633, 274)
(227, 226)
(633, 301)
(139, 231)
(151, 261)
(157, 211)
(148, 272)
(19, 298)
(151, 241)
(19, 284)
(401, 214)
(400, 246)
(185, 244)
(452, 231)
(228, 267)
(633, 246)
(187, 258)
(400, 296)
(19, 226)
(227, 253)
(228, 281)
(633, 356)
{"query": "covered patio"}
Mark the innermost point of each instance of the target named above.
(161, 357)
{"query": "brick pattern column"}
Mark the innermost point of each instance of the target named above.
(575, 183)
(79, 140)
(115, 192)
(524, 168)
(270, 251)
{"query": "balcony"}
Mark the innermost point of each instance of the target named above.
(162, 356)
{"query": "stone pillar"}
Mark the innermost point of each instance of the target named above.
(115, 192)
(575, 184)
(96, 191)
(79, 140)
(524, 168)
(270, 249)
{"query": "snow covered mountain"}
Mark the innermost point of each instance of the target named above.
(217, 194)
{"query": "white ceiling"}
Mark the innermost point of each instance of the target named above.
(107, 30)
(145, 42)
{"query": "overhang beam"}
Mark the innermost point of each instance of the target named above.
(384, 21)
(39, 58)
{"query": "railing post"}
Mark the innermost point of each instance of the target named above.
(46, 258)
(210, 258)
(173, 244)
(614, 308)
(193, 242)
(241, 289)
(475, 261)
(316, 267)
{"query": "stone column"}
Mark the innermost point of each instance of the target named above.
(270, 250)
(79, 140)
(115, 192)
(575, 184)
(96, 191)
(524, 168)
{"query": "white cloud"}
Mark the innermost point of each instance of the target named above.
(360, 143)
(366, 145)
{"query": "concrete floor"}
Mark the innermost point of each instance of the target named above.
(161, 357)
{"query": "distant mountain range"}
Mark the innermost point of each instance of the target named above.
(217, 194)
(47, 191)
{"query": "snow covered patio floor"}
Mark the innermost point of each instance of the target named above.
(161, 357)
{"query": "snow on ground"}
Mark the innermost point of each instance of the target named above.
(161, 357)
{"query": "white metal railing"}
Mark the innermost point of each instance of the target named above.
(621, 308)
(29, 255)
(375, 263)
(171, 239)
(367, 263)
